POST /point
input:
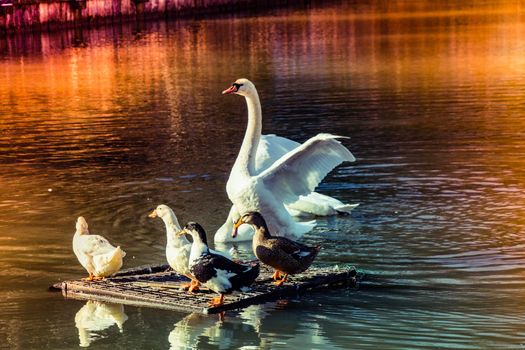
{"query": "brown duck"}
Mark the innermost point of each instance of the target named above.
(283, 254)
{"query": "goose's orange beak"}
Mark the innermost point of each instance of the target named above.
(232, 89)
(236, 227)
(153, 214)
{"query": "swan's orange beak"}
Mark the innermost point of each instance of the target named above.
(153, 214)
(231, 90)
(236, 227)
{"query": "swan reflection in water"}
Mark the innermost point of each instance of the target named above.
(236, 330)
(95, 317)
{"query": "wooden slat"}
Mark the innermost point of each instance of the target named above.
(158, 287)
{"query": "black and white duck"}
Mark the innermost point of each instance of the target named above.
(214, 271)
(177, 247)
(283, 254)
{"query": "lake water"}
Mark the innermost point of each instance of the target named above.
(110, 122)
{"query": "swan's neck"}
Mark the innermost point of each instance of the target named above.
(245, 162)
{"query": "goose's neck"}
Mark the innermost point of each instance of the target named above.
(172, 227)
(245, 162)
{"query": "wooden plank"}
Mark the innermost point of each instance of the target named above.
(159, 287)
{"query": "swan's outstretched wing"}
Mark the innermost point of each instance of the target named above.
(299, 171)
(271, 148)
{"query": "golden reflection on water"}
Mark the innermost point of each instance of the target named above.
(58, 99)
(470, 51)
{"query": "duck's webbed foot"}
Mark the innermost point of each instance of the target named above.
(92, 278)
(282, 280)
(217, 301)
(276, 275)
(194, 286)
(186, 285)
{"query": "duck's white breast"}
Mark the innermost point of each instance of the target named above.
(221, 282)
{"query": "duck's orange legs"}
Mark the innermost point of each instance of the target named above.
(282, 280)
(92, 278)
(194, 286)
(217, 301)
(187, 285)
(276, 275)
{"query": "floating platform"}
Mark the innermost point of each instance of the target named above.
(159, 287)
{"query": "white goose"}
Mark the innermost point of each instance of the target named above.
(95, 253)
(178, 247)
(274, 184)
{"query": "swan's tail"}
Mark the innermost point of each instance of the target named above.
(346, 209)
(300, 228)
(319, 205)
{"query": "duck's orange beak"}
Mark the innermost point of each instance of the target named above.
(236, 227)
(153, 214)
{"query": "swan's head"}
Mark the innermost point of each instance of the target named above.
(162, 211)
(196, 231)
(253, 218)
(242, 87)
(82, 226)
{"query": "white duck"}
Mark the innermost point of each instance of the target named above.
(279, 186)
(95, 253)
(178, 247)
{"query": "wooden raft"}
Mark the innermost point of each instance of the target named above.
(159, 287)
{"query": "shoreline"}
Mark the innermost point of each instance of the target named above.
(23, 16)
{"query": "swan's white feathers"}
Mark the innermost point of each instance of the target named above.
(271, 173)
(270, 148)
(300, 171)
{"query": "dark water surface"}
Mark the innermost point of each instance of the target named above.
(109, 123)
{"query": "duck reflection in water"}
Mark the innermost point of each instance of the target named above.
(253, 328)
(95, 317)
(196, 330)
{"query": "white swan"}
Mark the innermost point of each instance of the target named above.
(294, 174)
(270, 149)
(95, 253)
